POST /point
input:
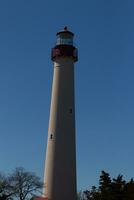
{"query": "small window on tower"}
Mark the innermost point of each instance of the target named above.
(70, 111)
(51, 136)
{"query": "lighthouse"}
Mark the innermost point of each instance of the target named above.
(60, 164)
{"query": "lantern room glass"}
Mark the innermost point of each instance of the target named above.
(64, 40)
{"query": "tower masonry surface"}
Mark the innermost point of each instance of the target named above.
(60, 164)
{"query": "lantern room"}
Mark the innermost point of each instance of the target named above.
(64, 37)
(64, 46)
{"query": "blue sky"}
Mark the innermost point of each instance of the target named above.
(104, 35)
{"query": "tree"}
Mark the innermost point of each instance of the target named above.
(93, 194)
(111, 189)
(118, 187)
(105, 186)
(80, 195)
(5, 188)
(24, 184)
(129, 190)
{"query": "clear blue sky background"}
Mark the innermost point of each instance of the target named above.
(104, 34)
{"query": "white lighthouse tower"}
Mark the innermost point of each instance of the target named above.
(60, 165)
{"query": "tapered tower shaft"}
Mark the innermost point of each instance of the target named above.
(60, 166)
